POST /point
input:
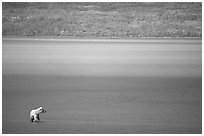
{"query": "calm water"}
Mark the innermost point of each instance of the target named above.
(102, 87)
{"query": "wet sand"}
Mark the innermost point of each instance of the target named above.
(135, 89)
(102, 104)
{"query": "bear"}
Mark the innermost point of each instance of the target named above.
(34, 114)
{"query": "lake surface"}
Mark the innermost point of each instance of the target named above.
(141, 86)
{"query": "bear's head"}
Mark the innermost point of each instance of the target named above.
(41, 110)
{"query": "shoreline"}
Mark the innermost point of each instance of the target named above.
(100, 39)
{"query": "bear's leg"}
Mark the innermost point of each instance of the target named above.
(31, 118)
(38, 117)
(35, 118)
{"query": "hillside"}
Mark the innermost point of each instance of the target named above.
(102, 20)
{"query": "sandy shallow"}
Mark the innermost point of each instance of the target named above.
(102, 87)
(102, 104)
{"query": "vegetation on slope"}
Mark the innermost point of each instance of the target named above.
(109, 20)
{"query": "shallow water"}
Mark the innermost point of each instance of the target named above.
(102, 104)
(103, 89)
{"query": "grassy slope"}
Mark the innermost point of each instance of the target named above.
(112, 20)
